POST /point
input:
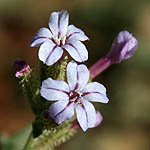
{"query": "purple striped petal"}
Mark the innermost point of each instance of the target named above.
(54, 90)
(61, 111)
(86, 115)
(95, 92)
(72, 75)
(77, 76)
(74, 33)
(41, 36)
(77, 50)
(58, 23)
(49, 53)
(81, 117)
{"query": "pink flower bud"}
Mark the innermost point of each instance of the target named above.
(99, 119)
(123, 47)
(22, 68)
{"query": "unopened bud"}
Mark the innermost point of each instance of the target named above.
(99, 119)
(123, 47)
(22, 68)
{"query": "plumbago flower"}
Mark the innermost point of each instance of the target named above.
(60, 37)
(74, 96)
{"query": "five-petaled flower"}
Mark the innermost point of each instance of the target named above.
(60, 37)
(74, 96)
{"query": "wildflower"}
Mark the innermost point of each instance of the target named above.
(60, 37)
(22, 68)
(74, 96)
(123, 47)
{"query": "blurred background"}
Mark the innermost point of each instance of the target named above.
(126, 118)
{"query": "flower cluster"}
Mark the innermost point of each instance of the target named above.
(74, 97)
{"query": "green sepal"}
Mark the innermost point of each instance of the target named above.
(56, 71)
(41, 123)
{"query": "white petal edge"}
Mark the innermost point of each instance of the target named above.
(45, 49)
(95, 87)
(53, 23)
(77, 76)
(91, 113)
(95, 92)
(54, 90)
(96, 97)
(77, 50)
(54, 56)
(61, 111)
(63, 22)
(40, 37)
(81, 117)
(72, 75)
(86, 115)
(83, 76)
(74, 33)
(58, 23)
(49, 53)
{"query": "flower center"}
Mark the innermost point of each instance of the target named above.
(60, 41)
(75, 97)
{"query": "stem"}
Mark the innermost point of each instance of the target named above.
(29, 142)
(99, 67)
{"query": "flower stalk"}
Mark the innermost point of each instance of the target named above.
(100, 66)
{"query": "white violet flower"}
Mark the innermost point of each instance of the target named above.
(60, 37)
(74, 96)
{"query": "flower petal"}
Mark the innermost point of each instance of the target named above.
(77, 76)
(86, 115)
(41, 36)
(81, 117)
(61, 111)
(74, 33)
(58, 23)
(95, 92)
(91, 113)
(77, 50)
(49, 53)
(95, 87)
(54, 90)
(72, 75)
